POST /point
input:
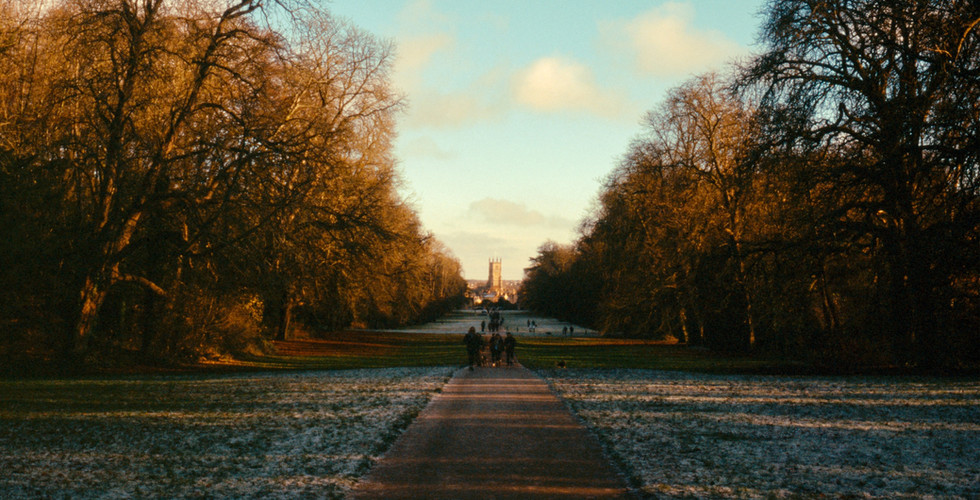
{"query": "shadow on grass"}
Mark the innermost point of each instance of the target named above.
(541, 353)
(361, 349)
(386, 349)
(343, 350)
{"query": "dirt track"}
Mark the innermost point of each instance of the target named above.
(494, 433)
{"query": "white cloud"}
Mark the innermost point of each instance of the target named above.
(482, 100)
(415, 52)
(427, 58)
(474, 248)
(422, 12)
(427, 148)
(442, 110)
(506, 212)
(663, 42)
(493, 227)
(424, 34)
(555, 84)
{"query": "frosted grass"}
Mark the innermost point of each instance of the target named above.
(684, 435)
(297, 435)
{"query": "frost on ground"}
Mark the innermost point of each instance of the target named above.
(688, 435)
(307, 435)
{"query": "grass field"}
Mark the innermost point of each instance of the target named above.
(359, 349)
(367, 349)
(248, 435)
(308, 420)
(689, 435)
(540, 353)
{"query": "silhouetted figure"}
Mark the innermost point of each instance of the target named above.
(473, 344)
(496, 348)
(509, 344)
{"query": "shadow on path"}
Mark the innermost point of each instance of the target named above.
(494, 433)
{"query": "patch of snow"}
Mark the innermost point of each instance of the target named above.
(681, 435)
(274, 435)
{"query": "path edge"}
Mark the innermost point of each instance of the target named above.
(396, 433)
(633, 484)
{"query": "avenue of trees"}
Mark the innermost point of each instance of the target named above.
(189, 177)
(822, 201)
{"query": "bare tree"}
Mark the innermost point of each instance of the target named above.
(890, 88)
(706, 131)
(158, 153)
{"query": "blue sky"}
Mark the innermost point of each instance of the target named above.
(518, 110)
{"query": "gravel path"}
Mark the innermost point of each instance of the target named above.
(494, 433)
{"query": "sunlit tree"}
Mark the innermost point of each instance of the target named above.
(181, 173)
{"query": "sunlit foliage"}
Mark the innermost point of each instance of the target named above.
(180, 177)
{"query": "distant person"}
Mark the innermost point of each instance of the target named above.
(571, 330)
(509, 344)
(483, 326)
(564, 331)
(473, 344)
(496, 348)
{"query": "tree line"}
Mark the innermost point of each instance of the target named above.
(189, 177)
(818, 201)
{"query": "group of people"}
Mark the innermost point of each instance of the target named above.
(489, 352)
(496, 321)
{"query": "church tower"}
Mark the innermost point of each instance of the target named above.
(494, 282)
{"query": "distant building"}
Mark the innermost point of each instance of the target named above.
(478, 291)
(495, 281)
(494, 288)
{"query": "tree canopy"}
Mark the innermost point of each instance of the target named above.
(821, 201)
(181, 176)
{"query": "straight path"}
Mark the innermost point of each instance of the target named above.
(494, 433)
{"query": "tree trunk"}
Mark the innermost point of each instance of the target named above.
(924, 335)
(285, 316)
(90, 301)
(744, 289)
(150, 326)
(831, 318)
(683, 315)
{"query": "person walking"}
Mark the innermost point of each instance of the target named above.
(510, 343)
(473, 344)
(496, 348)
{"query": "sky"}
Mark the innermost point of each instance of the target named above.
(518, 111)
